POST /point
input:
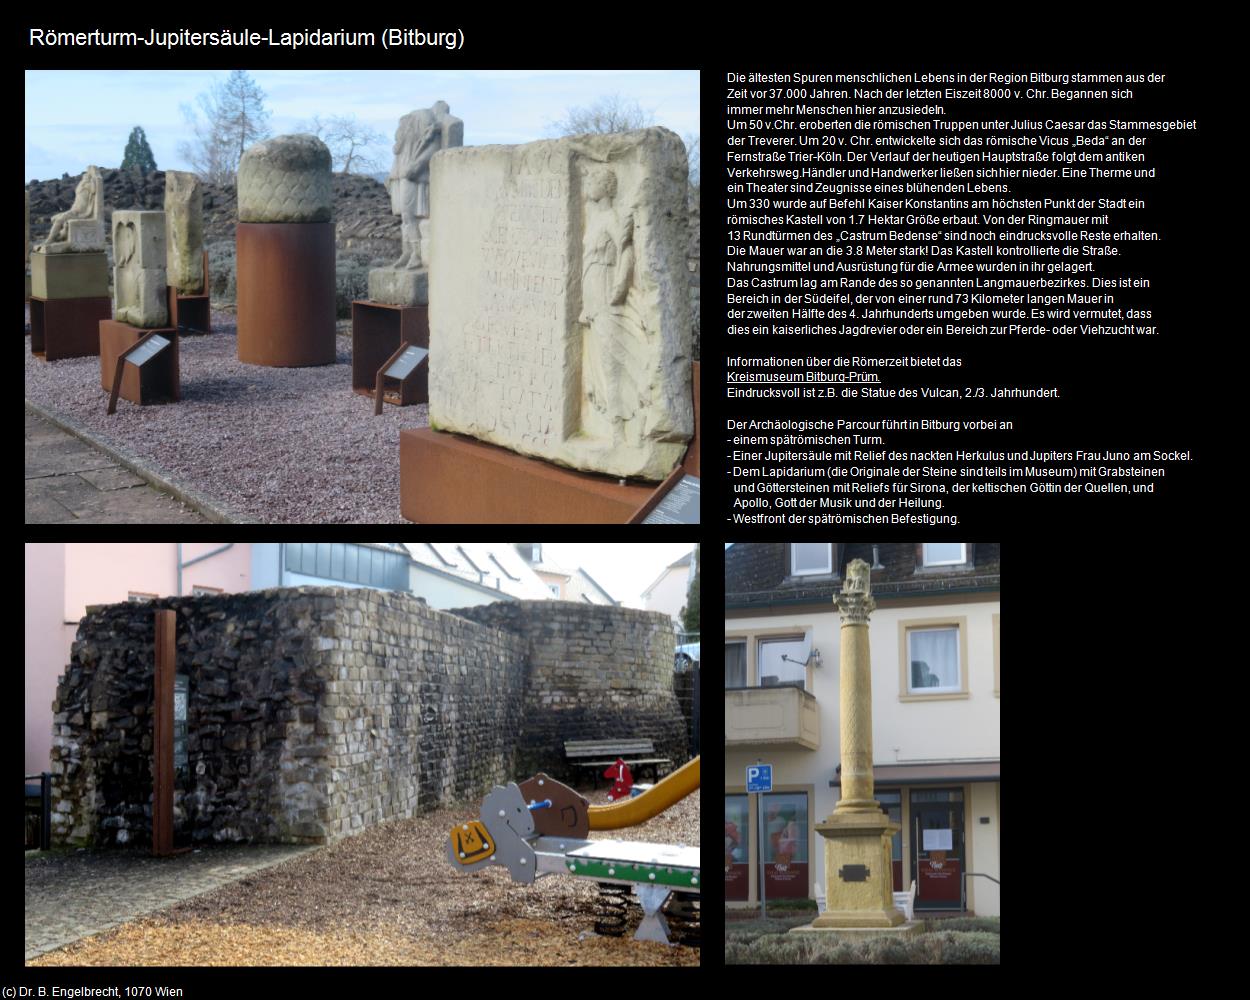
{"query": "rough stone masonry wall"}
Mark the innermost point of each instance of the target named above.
(315, 712)
(595, 673)
(422, 707)
(255, 675)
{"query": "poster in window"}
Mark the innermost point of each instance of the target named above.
(937, 840)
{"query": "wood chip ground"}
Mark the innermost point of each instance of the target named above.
(389, 897)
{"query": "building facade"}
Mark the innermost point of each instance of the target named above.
(669, 590)
(934, 640)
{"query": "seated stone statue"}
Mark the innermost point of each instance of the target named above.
(81, 228)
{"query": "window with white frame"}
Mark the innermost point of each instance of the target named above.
(554, 588)
(945, 553)
(783, 661)
(811, 558)
(735, 664)
(933, 658)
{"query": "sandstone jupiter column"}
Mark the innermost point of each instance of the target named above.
(285, 260)
(858, 873)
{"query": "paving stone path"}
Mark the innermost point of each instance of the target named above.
(68, 480)
(73, 895)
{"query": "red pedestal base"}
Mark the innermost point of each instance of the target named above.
(158, 381)
(449, 479)
(285, 277)
(67, 328)
(377, 331)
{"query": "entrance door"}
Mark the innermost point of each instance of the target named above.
(938, 847)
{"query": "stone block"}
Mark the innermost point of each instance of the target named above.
(68, 275)
(86, 235)
(559, 315)
(184, 232)
(139, 283)
(399, 286)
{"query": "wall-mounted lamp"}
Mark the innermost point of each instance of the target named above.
(813, 658)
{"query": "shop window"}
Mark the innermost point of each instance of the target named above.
(737, 847)
(785, 861)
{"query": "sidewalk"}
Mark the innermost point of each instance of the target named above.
(73, 895)
(68, 480)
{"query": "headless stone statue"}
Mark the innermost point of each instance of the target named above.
(81, 228)
(420, 135)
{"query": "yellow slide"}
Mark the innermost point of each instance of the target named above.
(631, 812)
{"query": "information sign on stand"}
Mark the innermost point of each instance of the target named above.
(143, 355)
(401, 366)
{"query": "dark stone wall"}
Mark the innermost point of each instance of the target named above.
(422, 708)
(316, 712)
(596, 672)
(255, 678)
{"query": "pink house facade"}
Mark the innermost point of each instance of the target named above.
(63, 578)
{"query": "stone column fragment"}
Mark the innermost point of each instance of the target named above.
(139, 269)
(184, 231)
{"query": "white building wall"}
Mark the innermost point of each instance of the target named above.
(669, 595)
(903, 731)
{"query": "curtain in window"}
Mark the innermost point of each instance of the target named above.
(735, 664)
(934, 658)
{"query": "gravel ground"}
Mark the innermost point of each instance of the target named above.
(273, 445)
(389, 897)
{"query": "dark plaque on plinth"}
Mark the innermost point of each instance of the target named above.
(147, 371)
(407, 366)
(378, 330)
(680, 505)
(67, 328)
(191, 314)
(853, 873)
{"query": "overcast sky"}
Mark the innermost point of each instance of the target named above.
(81, 117)
(623, 569)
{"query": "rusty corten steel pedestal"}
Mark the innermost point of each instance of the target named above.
(451, 479)
(157, 381)
(285, 278)
(377, 331)
(67, 328)
(191, 314)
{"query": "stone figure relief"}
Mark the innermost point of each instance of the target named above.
(88, 207)
(139, 268)
(420, 135)
(857, 577)
(615, 378)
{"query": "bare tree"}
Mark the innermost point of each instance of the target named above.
(234, 118)
(348, 139)
(612, 113)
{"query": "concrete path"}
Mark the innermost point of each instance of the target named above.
(67, 480)
(74, 895)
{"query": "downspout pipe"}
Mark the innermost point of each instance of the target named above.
(191, 562)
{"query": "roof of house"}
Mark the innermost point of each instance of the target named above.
(758, 574)
(683, 561)
(591, 580)
(495, 566)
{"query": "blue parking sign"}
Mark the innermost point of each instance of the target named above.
(760, 778)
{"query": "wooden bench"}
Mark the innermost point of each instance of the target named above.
(599, 754)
